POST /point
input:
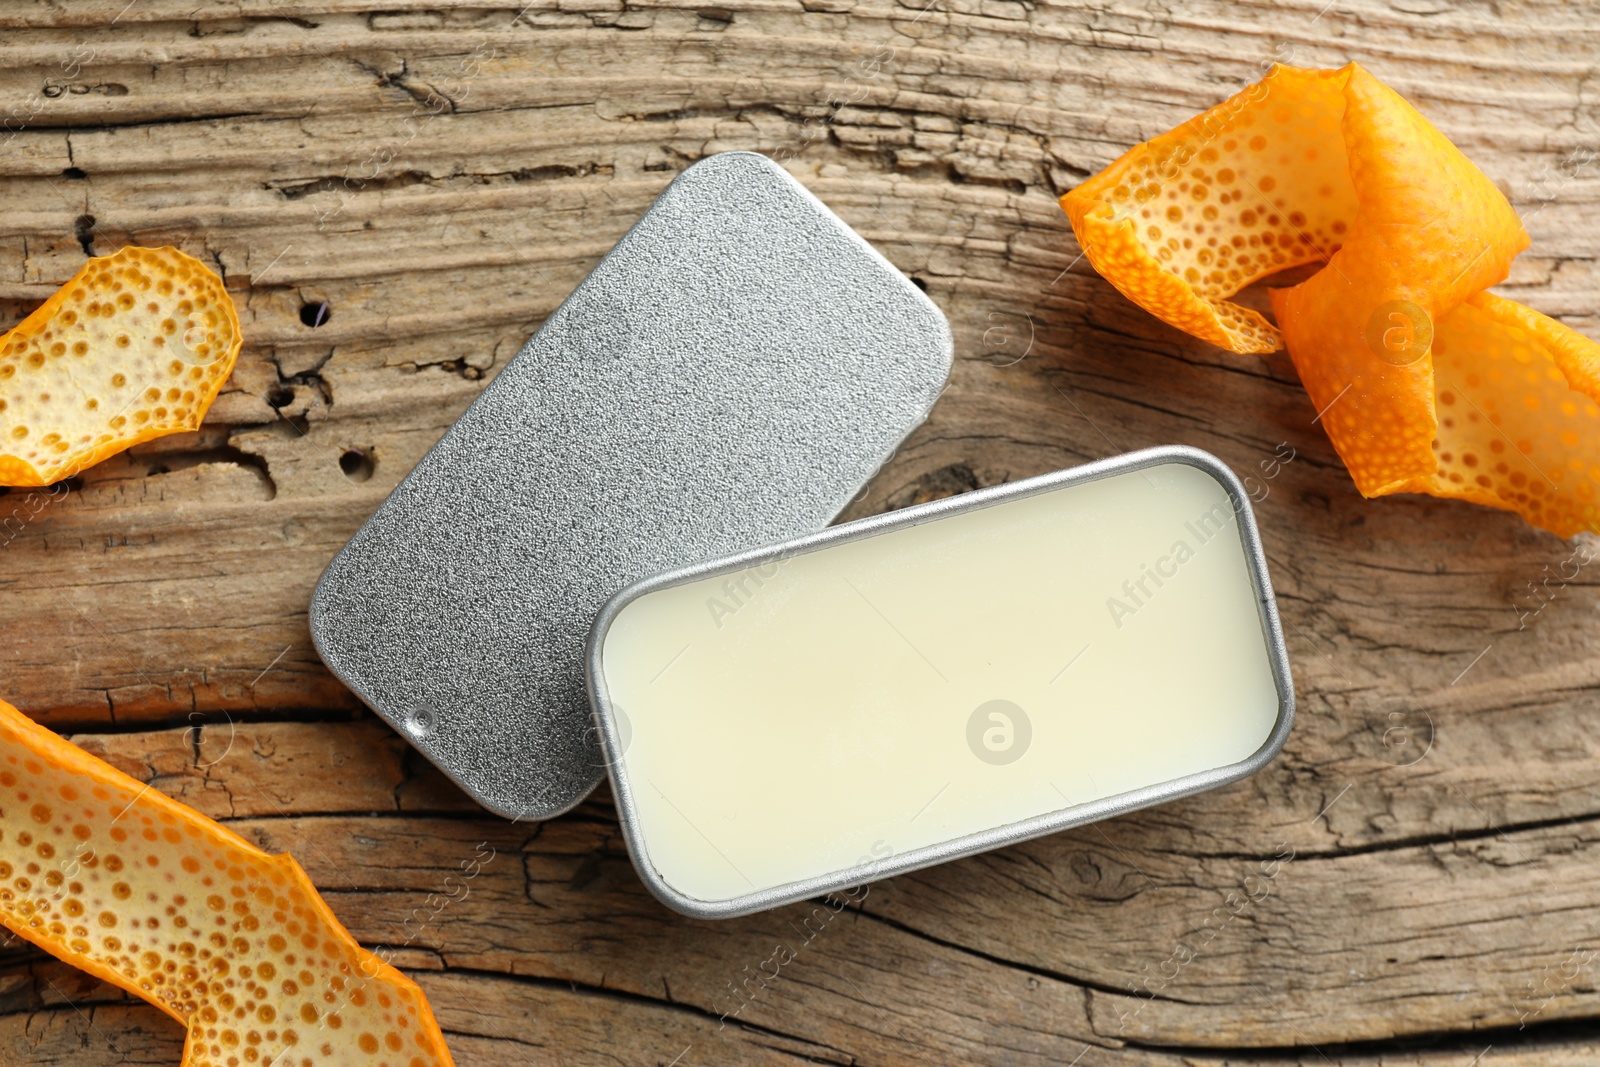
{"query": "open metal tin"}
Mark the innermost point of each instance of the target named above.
(791, 711)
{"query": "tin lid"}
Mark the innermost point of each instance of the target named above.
(730, 374)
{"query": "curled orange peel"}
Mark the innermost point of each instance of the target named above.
(135, 346)
(127, 884)
(1422, 381)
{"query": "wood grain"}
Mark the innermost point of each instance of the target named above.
(1413, 881)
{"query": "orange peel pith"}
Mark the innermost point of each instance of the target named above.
(123, 882)
(1422, 381)
(135, 346)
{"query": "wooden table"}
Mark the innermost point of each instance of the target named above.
(398, 192)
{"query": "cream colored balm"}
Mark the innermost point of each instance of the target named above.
(922, 685)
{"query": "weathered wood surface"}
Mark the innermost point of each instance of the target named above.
(442, 173)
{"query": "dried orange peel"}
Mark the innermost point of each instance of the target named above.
(1423, 381)
(135, 346)
(123, 882)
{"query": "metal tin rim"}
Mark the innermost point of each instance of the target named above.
(985, 840)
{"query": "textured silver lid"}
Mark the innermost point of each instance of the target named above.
(730, 374)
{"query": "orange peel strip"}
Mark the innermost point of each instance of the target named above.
(1332, 166)
(1519, 428)
(1185, 220)
(135, 346)
(129, 885)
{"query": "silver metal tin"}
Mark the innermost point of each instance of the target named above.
(732, 373)
(611, 727)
